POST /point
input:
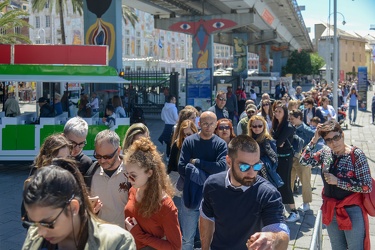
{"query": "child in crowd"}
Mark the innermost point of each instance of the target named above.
(110, 120)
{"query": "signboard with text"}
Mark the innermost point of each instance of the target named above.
(199, 87)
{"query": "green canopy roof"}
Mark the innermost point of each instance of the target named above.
(59, 73)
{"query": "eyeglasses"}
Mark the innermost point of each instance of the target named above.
(222, 127)
(80, 145)
(206, 125)
(335, 138)
(131, 177)
(250, 112)
(245, 167)
(50, 225)
(105, 157)
(222, 99)
(257, 126)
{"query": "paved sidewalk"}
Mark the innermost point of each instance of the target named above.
(12, 176)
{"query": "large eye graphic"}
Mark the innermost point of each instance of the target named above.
(185, 26)
(218, 25)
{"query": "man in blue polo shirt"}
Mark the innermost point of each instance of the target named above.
(241, 210)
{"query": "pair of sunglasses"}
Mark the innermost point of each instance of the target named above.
(222, 127)
(335, 138)
(105, 157)
(246, 167)
(257, 126)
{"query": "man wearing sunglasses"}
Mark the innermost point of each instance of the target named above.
(75, 130)
(108, 179)
(219, 108)
(241, 210)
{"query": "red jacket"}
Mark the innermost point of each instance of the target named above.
(342, 217)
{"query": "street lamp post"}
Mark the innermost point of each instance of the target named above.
(335, 55)
(44, 35)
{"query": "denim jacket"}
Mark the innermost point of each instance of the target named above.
(305, 132)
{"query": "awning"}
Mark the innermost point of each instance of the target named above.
(62, 78)
(60, 73)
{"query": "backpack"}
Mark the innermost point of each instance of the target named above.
(297, 145)
(368, 198)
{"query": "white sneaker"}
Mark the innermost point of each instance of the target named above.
(304, 207)
(293, 217)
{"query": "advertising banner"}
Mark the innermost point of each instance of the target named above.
(199, 87)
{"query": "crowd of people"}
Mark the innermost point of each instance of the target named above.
(227, 182)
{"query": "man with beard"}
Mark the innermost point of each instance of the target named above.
(241, 210)
(108, 180)
(75, 130)
(202, 154)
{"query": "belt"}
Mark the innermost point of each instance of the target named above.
(283, 155)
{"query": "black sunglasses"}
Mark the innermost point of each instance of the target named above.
(335, 138)
(50, 225)
(222, 127)
(105, 157)
(257, 126)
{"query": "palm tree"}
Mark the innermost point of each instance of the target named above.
(129, 15)
(9, 21)
(38, 5)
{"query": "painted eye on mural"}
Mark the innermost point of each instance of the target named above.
(218, 25)
(185, 26)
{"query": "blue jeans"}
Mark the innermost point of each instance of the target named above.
(348, 239)
(189, 221)
(351, 108)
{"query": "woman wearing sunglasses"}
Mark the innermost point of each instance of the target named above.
(60, 215)
(224, 130)
(283, 134)
(346, 174)
(257, 130)
(151, 216)
(266, 112)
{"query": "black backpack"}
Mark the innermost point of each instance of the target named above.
(297, 145)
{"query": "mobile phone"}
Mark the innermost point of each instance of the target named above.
(93, 199)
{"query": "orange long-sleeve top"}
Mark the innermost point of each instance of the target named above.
(161, 230)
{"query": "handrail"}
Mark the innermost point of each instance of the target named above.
(316, 240)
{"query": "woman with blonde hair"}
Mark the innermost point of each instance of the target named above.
(257, 129)
(224, 129)
(151, 216)
(293, 104)
(133, 133)
(189, 112)
(187, 128)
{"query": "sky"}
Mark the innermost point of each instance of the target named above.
(359, 14)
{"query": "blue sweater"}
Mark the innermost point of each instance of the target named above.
(238, 214)
(210, 155)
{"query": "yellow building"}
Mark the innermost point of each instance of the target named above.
(354, 51)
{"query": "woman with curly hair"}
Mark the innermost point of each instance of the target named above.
(151, 216)
(224, 129)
